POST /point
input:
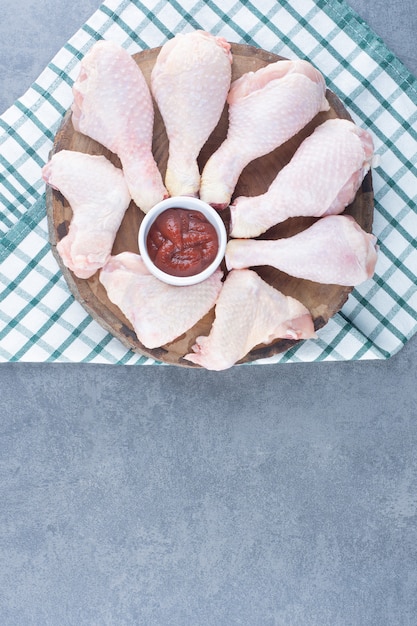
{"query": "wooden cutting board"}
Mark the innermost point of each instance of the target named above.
(323, 301)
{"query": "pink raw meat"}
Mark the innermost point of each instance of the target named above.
(98, 196)
(249, 312)
(322, 178)
(334, 250)
(190, 81)
(113, 105)
(158, 312)
(266, 108)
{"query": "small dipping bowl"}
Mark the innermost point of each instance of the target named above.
(190, 204)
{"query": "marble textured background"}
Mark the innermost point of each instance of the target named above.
(282, 495)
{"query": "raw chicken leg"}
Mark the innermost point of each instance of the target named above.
(322, 178)
(266, 108)
(113, 105)
(190, 81)
(249, 312)
(98, 196)
(158, 312)
(334, 250)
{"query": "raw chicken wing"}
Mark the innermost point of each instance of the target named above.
(98, 196)
(334, 250)
(249, 312)
(266, 108)
(113, 105)
(190, 81)
(158, 312)
(322, 178)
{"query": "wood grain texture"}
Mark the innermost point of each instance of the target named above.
(323, 301)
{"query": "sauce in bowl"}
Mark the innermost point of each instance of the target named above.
(182, 242)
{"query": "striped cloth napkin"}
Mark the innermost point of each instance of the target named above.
(41, 321)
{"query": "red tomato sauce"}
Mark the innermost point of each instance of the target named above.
(182, 242)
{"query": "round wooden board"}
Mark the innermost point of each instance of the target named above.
(323, 301)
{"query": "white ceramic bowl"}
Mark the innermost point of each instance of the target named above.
(193, 204)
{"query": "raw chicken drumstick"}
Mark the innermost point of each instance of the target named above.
(266, 108)
(190, 81)
(158, 312)
(334, 250)
(113, 105)
(322, 178)
(249, 312)
(98, 196)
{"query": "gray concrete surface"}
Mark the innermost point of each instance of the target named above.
(283, 495)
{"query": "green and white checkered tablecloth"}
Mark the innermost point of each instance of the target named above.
(39, 318)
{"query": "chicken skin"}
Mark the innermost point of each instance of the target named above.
(113, 105)
(334, 250)
(190, 81)
(266, 108)
(249, 312)
(159, 313)
(98, 196)
(322, 178)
